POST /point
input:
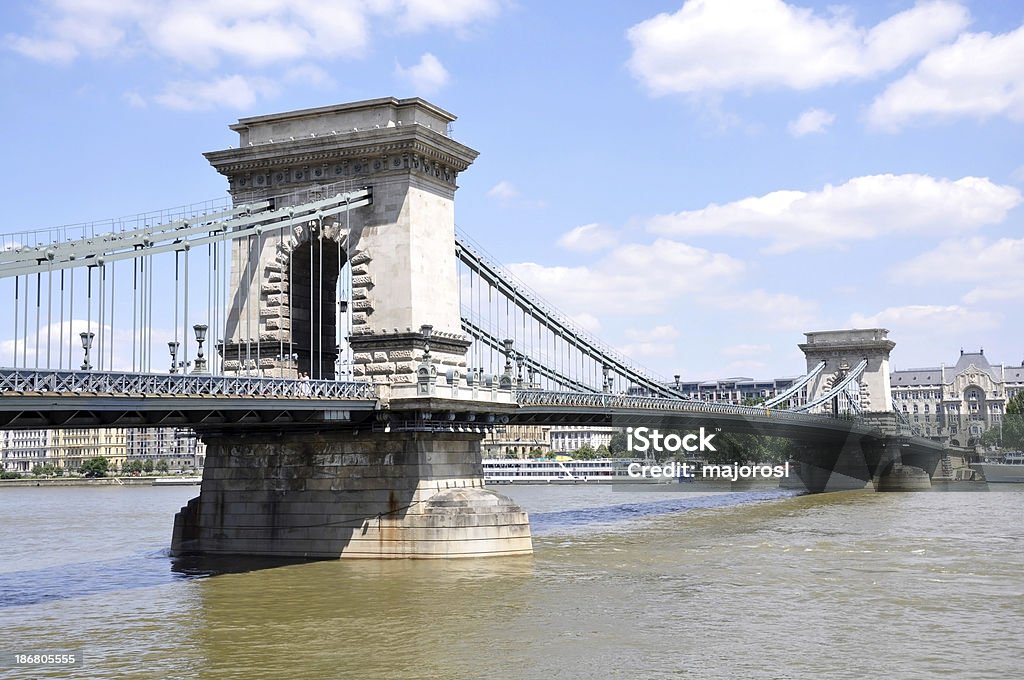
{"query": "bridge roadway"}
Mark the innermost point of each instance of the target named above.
(36, 399)
(31, 399)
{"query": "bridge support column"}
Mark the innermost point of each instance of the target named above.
(895, 473)
(323, 495)
(825, 468)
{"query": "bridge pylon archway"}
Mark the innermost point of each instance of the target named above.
(401, 247)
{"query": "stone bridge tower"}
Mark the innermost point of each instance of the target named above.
(401, 248)
(842, 351)
(409, 482)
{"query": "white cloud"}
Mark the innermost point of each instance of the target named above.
(309, 74)
(744, 368)
(419, 15)
(508, 195)
(588, 238)
(657, 342)
(236, 91)
(860, 209)
(586, 321)
(924, 325)
(205, 32)
(996, 266)
(610, 285)
(70, 29)
(248, 38)
(42, 49)
(135, 100)
(649, 350)
(426, 76)
(810, 121)
(745, 350)
(663, 332)
(979, 76)
(196, 36)
(766, 310)
(717, 45)
(503, 191)
(997, 292)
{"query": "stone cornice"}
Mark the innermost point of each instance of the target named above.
(369, 144)
(439, 342)
(816, 348)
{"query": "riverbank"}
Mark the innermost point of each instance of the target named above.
(99, 481)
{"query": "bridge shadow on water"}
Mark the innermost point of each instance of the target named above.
(83, 579)
(542, 523)
(142, 570)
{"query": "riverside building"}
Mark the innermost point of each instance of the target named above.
(67, 448)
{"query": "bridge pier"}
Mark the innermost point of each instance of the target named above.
(343, 494)
(884, 464)
(837, 467)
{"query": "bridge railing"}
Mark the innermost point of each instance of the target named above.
(625, 401)
(100, 382)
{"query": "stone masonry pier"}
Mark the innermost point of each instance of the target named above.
(322, 495)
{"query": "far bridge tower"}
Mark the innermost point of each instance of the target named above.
(842, 351)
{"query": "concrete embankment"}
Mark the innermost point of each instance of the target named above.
(82, 481)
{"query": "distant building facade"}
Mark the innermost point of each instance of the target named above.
(958, 402)
(68, 448)
(569, 438)
(734, 390)
(23, 449)
(516, 441)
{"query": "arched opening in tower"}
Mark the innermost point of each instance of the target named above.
(317, 311)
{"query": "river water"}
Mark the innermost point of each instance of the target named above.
(622, 585)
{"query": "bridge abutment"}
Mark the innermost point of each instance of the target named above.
(338, 494)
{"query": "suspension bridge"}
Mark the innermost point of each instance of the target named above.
(342, 348)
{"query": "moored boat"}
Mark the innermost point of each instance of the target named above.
(1009, 470)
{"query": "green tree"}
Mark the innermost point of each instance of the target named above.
(37, 470)
(94, 467)
(148, 466)
(585, 452)
(1013, 424)
(8, 474)
(748, 448)
(992, 437)
(618, 445)
(1009, 435)
(162, 466)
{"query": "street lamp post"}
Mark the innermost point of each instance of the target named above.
(172, 347)
(199, 365)
(87, 337)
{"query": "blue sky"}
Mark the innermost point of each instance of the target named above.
(698, 183)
